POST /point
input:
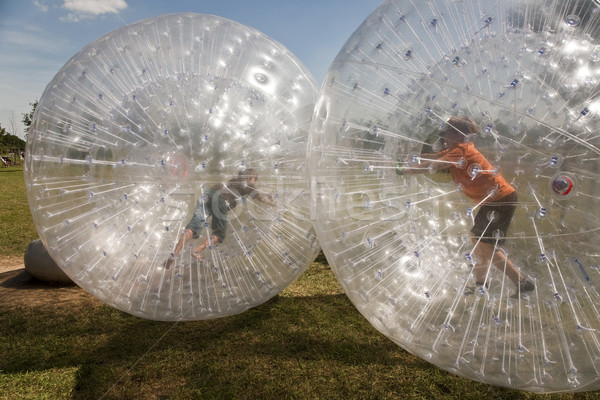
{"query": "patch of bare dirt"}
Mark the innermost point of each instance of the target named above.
(18, 289)
(10, 263)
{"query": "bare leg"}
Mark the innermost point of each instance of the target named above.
(485, 252)
(211, 240)
(185, 236)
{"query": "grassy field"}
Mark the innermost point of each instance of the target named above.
(307, 343)
(17, 228)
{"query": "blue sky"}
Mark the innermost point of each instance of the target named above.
(37, 37)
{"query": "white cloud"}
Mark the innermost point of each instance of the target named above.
(84, 9)
(21, 41)
(40, 5)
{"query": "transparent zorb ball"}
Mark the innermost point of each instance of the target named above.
(133, 133)
(395, 203)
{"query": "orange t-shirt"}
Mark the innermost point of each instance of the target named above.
(474, 173)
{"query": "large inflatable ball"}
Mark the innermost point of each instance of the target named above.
(455, 183)
(165, 167)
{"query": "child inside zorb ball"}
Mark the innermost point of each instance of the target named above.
(492, 194)
(216, 203)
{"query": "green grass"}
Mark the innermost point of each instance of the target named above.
(16, 225)
(307, 343)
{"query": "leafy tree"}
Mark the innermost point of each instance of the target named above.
(28, 117)
(12, 142)
(11, 145)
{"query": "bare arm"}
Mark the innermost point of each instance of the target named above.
(431, 162)
(421, 164)
(264, 198)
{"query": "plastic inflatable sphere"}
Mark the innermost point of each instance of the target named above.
(160, 120)
(454, 166)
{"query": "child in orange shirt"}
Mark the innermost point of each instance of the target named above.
(482, 184)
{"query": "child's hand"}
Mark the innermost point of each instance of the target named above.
(269, 200)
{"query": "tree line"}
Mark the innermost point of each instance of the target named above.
(12, 147)
(10, 144)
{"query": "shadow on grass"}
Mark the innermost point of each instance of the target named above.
(22, 280)
(289, 347)
(11, 170)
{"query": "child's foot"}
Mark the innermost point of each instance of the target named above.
(169, 263)
(197, 255)
(524, 286)
(478, 288)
